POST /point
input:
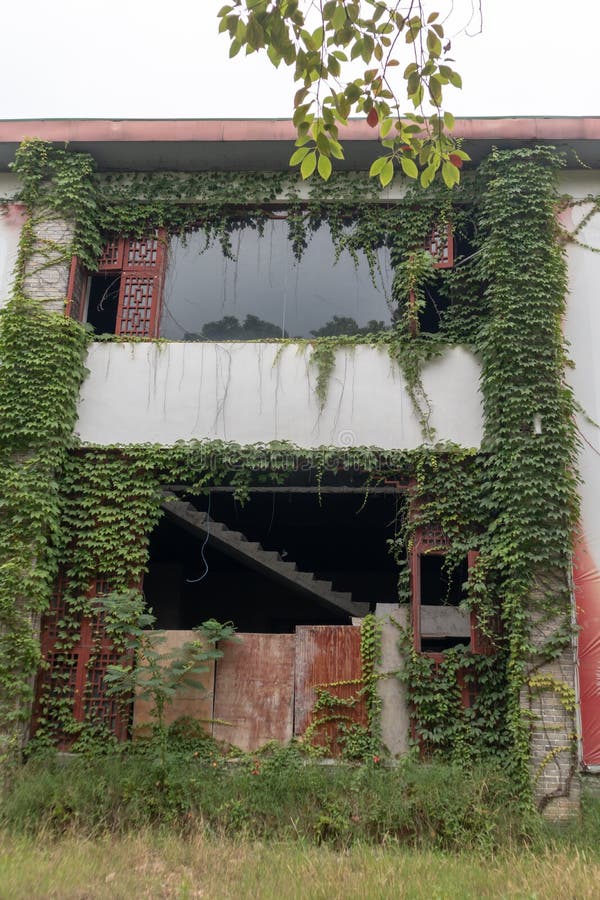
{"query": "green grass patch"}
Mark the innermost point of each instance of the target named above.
(154, 864)
(277, 795)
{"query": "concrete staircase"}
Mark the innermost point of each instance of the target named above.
(253, 555)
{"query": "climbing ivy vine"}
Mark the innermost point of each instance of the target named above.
(91, 510)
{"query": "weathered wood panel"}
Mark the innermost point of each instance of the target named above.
(194, 701)
(254, 690)
(325, 656)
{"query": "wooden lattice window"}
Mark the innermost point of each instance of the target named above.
(441, 247)
(76, 676)
(76, 291)
(111, 259)
(97, 705)
(134, 268)
(55, 613)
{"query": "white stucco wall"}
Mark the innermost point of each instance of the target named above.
(241, 392)
(582, 329)
(11, 222)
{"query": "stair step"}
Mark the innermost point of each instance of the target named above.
(272, 555)
(270, 559)
(342, 595)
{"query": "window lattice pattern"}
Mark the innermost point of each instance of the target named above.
(112, 255)
(58, 678)
(55, 613)
(98, 618)
(142, 253)
(136, 305)
(441, 247)
(98, 706)
(76, 678)
(432, 537)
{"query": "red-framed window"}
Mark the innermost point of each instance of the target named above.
(431, 544)
(137, 268)
(74, 666)
(428, 551)
(441, 246)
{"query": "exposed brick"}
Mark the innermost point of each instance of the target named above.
(552, 724)
(47, 271)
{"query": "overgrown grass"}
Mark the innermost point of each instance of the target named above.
(275, 796)
(155, 865)
(277, 825)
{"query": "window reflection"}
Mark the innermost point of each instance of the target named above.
(266, 293)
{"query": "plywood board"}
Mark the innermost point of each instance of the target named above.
(254, 690)
(325, 656)
(194, 700)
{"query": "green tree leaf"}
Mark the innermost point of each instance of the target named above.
(324, 167)
(309, 164)
(409, 167)
(298, 156)
(387, 173)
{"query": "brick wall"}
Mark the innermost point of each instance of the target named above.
(549, 703)
(47, 271)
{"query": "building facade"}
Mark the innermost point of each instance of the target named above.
(382, 376)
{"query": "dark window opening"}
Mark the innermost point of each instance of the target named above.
(446, 287)
(342, 550)
(438, 645)
(103, 301)
(436, 303)
(438, 591)
(440, 587)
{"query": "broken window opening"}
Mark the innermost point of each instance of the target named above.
(439, 622)
(436, 303)
(103, 302)
(440, 586)
(456, 248)
(280, 561)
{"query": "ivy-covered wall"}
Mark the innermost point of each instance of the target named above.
(90, 509)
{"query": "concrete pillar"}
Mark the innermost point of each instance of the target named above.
(46, 279)
(395, 723)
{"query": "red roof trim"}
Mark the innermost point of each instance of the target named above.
(237, 130)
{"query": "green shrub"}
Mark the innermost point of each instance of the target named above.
(272, 794)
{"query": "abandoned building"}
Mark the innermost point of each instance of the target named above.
(302, 407)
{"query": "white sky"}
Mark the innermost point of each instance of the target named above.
(164, 59)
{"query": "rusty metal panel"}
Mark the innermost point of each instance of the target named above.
(194, 701)
(254, 690)
(328, 656)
